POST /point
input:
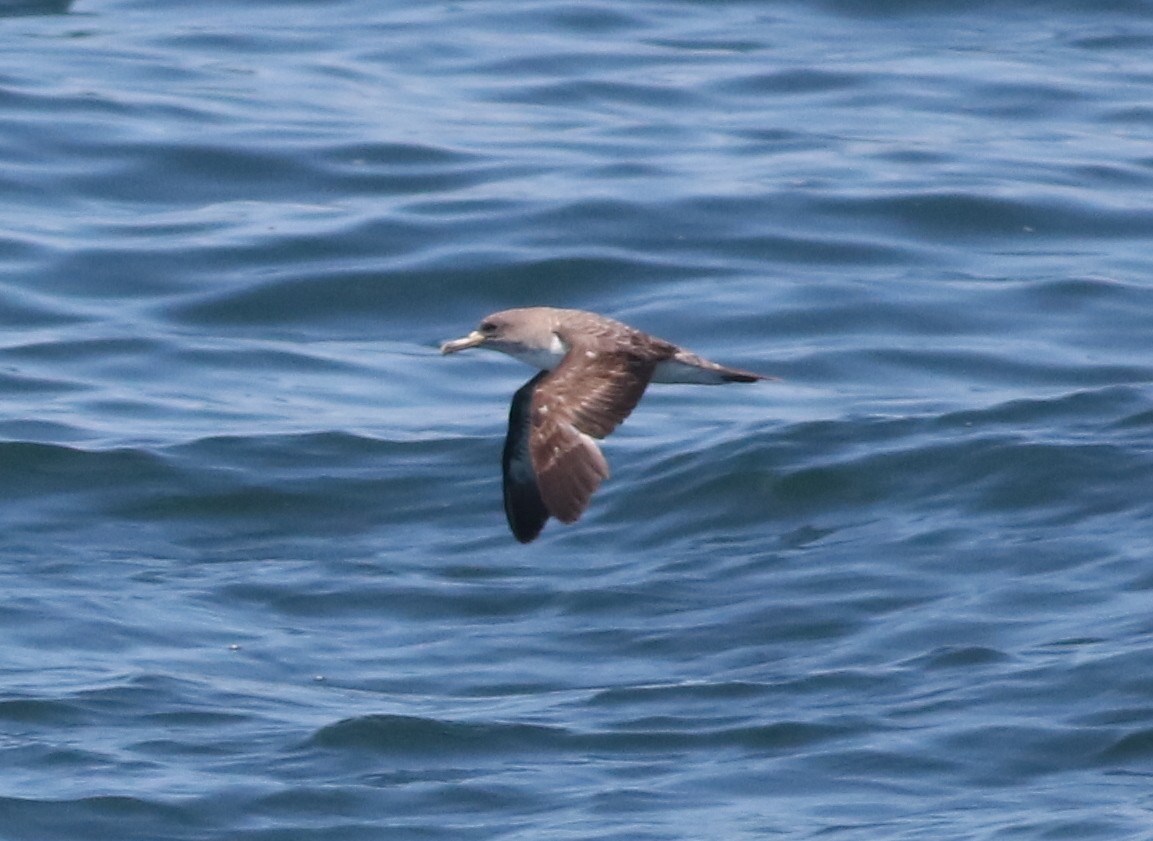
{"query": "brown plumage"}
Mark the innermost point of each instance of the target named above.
(594, 372)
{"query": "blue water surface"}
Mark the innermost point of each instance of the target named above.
(257, 581)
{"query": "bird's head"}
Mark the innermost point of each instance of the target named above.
(522, 333)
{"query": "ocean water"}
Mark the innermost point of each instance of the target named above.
(256, 578)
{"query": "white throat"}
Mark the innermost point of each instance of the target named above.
(545, 358)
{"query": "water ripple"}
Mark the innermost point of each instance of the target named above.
(257, 578)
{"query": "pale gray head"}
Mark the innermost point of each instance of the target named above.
(527, 334)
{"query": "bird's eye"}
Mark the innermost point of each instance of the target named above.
(488, 328)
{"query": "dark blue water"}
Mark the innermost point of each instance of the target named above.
(256, 578)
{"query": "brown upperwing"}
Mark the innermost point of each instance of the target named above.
(585, 397)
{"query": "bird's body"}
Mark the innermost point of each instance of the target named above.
(593, 371)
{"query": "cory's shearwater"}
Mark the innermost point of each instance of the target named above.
(593, 372)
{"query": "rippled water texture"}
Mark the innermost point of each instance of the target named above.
(257, 581)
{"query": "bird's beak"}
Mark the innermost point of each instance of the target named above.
(471, 340)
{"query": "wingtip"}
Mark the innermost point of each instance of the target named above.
(523, 507)
(527, 537)
(526, 517)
